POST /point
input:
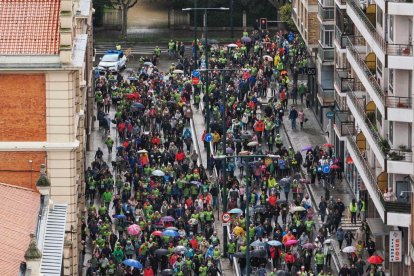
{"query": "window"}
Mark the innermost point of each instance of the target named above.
(391, 32)
(391, 131)
(327, 35)
(391, 80)
(379, 67)
(379, 116)
(379, 16)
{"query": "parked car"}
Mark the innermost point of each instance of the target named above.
(113, 60)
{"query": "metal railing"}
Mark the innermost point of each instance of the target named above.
(327, 95)
(366, 71)
(400, 155)
(399, 50)
(376, 137)
(400, 1)
(326, 14)
(326, 53)
(327, 3)
(398, 102)
(341, 79)
(355, 6)
(340, 37)
(343, 124)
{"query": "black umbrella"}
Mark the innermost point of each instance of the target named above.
(241, 255)
(260, 253)
(282, 273)
(167, 272)
(259, 209)
(161, 252)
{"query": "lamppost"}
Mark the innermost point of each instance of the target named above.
(248, 156)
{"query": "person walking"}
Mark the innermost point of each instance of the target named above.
(340, 236)
(109, 144)
(293, 115)
(353, 210)
(301, 118)
(322, 208)
(361, 209)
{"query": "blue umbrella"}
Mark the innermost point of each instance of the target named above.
(258, 243)
(133, 263)
(198, 183)
(307, 148)
(236, 211)
(274, 243)
(138, 105)
(121, 216)
(170, 233)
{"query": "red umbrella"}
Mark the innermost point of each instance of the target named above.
(157, 233)
(335, 167)
(349, 160)
(328, 145)
(375, 259)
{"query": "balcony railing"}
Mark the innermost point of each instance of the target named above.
(400, 155)
(343, 124)
(340, 37)
(326, 14)
(398, 102)
(355, 6)
(367, 73)
(326, 53)
(327, 3)
(327, 95)
(400, 1)
(399, 50)
(376, 137)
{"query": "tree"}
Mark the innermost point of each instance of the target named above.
(125, 6)
(285, 12)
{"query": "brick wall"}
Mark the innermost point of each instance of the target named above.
(313, 28)
(15, 167)
(23, 107)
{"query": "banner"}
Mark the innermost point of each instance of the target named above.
(395, 246)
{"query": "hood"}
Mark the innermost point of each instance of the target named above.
(107, 63)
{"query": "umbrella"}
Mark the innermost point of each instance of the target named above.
(134, 229)
(148, 63)
(178, 71)
(259, 209)
(307, 148)
(167, 219)
(229, 150)
(132, 79)
(158, 173)
(308, 245)
(161, 252)
(235, 211)
(172, 228)
(180, 249)
(121, 216)
(304, 181)
(156, 233)
(244, 153)
(274, 243)
(335, 167)
(297, 209)
(133, 263)
(198, 183)
(232, 45)
(260, 253)
(258, 243)
(328, 241)
(285, 180)
(142, 151)
(282, 273)
(167, 271)
(349, 249)
(328, 145)
(268, 57)
(291, 242)
(246, 39)
(240, 255)
(193, 221)
(138, 105)
(252, 144)
(170, 233)
(246, 135)
(375, 259)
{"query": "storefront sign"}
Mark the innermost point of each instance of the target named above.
(395, 246)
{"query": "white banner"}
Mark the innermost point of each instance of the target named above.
(395, 246)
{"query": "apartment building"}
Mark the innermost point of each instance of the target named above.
(374, 115)
(45, 76)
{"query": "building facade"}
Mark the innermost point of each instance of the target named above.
(374, 115)
(45, 77)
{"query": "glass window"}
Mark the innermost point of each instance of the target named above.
(379, 16)
(327, 35)
(391, 80)
(379, 67)
(391, 32)
(391, 131)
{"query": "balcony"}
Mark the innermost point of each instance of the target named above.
(365, 75)
(340, 38)
(400, 7)
(374, 139)
(399, 161)
(326, 96)
(400, 56)
(327, 3)
(341, 4)
(399, 109)
(343, 125)
(341, 79)
(325, 14)
(325, 53)
(392, 212)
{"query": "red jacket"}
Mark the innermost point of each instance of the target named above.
(180, 156)
(289, 259)
(148, 272)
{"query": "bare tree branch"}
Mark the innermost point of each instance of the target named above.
(133, 4)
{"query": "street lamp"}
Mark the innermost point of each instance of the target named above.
(247, 155)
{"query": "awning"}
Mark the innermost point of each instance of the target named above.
(377, 227)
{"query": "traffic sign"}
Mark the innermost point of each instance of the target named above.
(225, 217)
(196, 80)
(330, 114)
(195, 73)
(208, 138)
(326, 169)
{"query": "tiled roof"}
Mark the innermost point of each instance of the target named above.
(29, 27)
(19, 210)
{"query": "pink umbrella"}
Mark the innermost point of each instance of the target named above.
(134, 230)
(291, 242)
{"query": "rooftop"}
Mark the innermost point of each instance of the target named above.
(19, 208)
(29, 27)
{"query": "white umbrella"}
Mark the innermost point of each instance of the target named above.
(158, 173)
(349, 249)
(148, 63)
(142, 151)
(268, 57)
(180, 249)
(297, 209)
(328, 241)
(178, 71)
(232, 45)
(252, 144)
